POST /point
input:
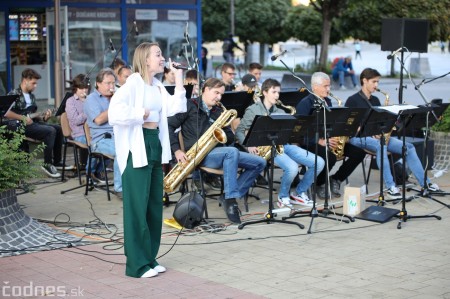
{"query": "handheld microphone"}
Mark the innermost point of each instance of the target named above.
(390, 56)
(111, 46)
(186, 31)
(275, 57)
(178, 67)
(136, 31)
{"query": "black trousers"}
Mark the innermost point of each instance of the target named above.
(354, 155)
(51, 135)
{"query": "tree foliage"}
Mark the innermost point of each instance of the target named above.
(363, 19)
(329, 9)
(305, 23)
(255, 21)
(16, 165)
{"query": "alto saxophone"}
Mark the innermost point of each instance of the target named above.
(265, 151)
(338, 149)
(387, 136)
(200, 149)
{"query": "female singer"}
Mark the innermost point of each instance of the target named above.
(138, 112)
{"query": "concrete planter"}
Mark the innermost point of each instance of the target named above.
(441, 149)
(19, 233)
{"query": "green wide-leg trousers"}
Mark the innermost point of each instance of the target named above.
(142, 208)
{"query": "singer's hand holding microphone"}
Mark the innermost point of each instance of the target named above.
(175, 66)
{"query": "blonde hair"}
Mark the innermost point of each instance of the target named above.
(141, 54)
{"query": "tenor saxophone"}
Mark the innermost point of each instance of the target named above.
(387, 136)
(200, 149)
(338, 149)
(265, 150)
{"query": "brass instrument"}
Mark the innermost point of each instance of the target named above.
(256, 93)
(338, 150)
(265, 151)
(387, 136)
(200, 149)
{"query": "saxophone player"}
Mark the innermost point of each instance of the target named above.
(201, 114)
(292, 156)
(320, 85)
(370, 79)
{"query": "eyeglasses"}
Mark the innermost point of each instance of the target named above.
(231, 74)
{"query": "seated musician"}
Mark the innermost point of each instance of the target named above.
(320, 85)
(292, 156)
(36, 127)
(364, 99)
(228, 73)
(201, 114)
(96, 109)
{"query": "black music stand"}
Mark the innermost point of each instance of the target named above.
(270, 130)
(292, 96)
(62, 107)
(427, 120)
(189, 88)
(379, 122)
(237, 100)
(340, 121)
(6, 103)
(404, 117)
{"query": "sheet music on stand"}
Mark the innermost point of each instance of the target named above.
(395, 109)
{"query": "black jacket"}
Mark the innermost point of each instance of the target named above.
(193, 120)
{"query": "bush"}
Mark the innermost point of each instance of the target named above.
(15, 164)
(444, 125)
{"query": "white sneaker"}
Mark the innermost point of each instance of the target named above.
(301, 199)
(51, 171)
(160, 269)
(433, 187)
(394, 193)
(284, 202)
(150, 273)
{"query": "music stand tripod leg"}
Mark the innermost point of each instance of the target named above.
(269, 217)
(403, 213)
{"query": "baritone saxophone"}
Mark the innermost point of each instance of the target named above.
(200, 149)
(338, 150)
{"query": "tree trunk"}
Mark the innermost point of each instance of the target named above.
(392, 67)
(262, 54)
(326, 29)
(315, 54)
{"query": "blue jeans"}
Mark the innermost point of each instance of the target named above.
(341, 75)
(289, 162)
(230, 159)
(394, 146)
(107, 146)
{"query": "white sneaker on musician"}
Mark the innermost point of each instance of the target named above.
(394, 193)
(433, 187)
(301, 199)
(284, 202)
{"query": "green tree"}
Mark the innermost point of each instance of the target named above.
(255, 21)
(304, 23)
(329, 9)
(363, 19)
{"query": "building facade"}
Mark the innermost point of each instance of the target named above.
(92, 34)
